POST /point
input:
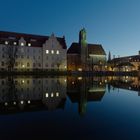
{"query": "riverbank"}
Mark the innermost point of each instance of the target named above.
(70, 73)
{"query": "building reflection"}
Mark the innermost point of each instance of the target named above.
(82, 90)
(125, 82)
(30, 93)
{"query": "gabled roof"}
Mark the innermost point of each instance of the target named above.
(92, 49)
(35, 40)
(74, 48)
(96, 49)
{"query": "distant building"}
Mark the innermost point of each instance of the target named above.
(128, 63)
(31, 52)
(85, 57)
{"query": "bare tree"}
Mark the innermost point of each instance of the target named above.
(11, 55)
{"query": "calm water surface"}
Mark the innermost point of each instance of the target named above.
(99, 108)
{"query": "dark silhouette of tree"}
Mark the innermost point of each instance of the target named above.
(11, 55)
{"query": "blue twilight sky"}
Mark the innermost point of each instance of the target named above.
(113, 23)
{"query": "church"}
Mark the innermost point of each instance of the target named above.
(82, 56)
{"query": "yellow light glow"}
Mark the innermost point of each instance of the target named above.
(23, 66)
(79, 69)
(79, 78)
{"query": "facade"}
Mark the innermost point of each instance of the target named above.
(32, 52)
(85, 57)
(126, 64)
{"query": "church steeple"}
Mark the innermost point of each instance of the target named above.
(83, 47)
(82, 37)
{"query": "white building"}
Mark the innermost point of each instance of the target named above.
(30, 52)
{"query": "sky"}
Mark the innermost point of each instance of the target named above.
(113, 23)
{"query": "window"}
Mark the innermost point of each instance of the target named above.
(46, 57)
(39, 64)
(52, 65)
(29, 44)
(2, 63)
(33, 64)
(6, 42)
(28, 57)
(52, 51)
(22, 44)
(47, 95)
(57, 94)
(16, 64)
(28, 64)
(38, 57)
(57, 52)
(15, 43)
(46, 65)
(47, 51)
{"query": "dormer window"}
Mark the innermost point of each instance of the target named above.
(52, 51)
(6, 42)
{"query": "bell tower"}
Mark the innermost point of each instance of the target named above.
(83, 48)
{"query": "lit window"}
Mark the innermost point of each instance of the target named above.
(14, 103)
(6, 104)
(29, 44)
(22, 44)
(47, 51)
(15, 43)
(6, 42)
(57, 94)
(52, 95)
(57, 52)
(22, 102)
(29, 101)
(47, 95)
(23, 81)
(52, 51)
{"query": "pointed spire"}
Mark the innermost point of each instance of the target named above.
(109, 56)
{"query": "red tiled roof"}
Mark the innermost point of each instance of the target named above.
(35, 40)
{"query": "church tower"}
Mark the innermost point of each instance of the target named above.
(83, 48)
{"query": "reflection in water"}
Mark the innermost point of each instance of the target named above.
(83, 90)
(124, 82)
(27, 93)
(35, 93)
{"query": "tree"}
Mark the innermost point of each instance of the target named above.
(11, 55)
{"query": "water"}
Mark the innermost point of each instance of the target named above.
(70, 107)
